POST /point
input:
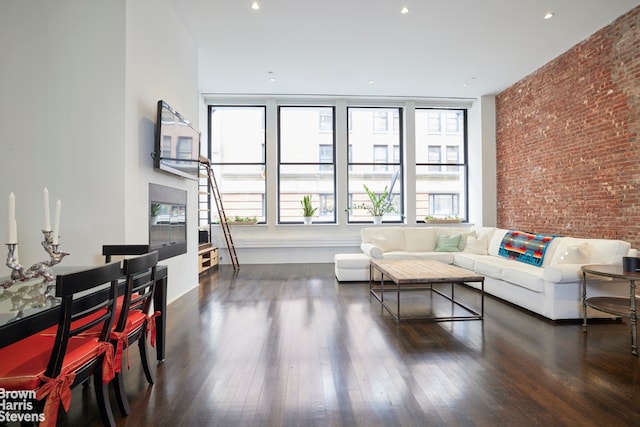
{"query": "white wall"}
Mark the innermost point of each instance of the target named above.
(79, 84)
(482, 162)
(161, 63)
(62, 121)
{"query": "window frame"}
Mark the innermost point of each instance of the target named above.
(388, 166)
(320, 165)
(263, 146)
(443, 166)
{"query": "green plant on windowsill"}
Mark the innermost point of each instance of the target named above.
(242, 220)
(379, 204)
(307, 208)
(442, 219)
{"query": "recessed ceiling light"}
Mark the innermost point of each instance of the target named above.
(255, 5)
(404, 10)
(548, 15)
(371, 82)
(272, 78)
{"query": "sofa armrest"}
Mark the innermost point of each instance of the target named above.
(562, 273)
(371, 250)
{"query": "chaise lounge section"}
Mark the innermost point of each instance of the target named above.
(544, 277)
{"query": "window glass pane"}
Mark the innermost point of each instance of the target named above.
(242, 190)
(426, 137)
(238, 158)
(440, 194)
(440, 163)
(300, 136)
(307, 164)
(362, 175)
(237, 134)
(369, 160)
(296, 181)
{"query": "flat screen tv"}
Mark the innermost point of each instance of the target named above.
(177, 144)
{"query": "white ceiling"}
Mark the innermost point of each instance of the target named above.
(441, 48)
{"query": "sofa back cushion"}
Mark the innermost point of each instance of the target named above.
(496, 240)
(388, 239)
(420, 239)
(477, 245)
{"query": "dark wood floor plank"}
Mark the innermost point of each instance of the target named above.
(286, 345)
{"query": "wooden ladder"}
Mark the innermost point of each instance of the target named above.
(215, 193)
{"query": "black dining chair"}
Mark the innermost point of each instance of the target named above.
(60, 357)
(133, 320)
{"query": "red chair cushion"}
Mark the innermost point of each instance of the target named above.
(25, 360)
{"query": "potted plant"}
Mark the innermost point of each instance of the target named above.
(380, 204)
(307, 209)
(155, 211)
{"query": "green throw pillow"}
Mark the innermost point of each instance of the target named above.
(448, 243)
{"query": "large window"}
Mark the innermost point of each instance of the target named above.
(238, 157)
(306, 155)
(368, 159)
(441, 163)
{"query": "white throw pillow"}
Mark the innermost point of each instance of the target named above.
(477, 245)
(575, 254)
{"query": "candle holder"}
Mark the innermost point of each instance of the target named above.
(39, 269)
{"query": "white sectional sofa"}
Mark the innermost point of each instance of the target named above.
(552, 289)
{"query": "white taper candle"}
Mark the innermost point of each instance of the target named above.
(56, 222)
(13, 232)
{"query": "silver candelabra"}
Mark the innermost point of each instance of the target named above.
(39, 269)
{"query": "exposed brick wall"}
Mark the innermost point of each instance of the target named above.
(568, 153)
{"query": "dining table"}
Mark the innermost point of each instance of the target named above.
(28, 307)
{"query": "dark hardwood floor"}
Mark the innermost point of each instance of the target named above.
(286, 345)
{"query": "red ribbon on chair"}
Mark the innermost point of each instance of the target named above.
(108, 370)
(123, 339)
(151, 326)
(57, 391)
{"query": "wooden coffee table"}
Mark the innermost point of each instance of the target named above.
(413, 275)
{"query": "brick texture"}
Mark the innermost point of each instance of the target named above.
(567, 140)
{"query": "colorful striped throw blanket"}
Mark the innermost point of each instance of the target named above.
(525, 247)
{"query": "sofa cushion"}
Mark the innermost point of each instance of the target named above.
(445, 257)
(386, 238)
(466, 260)
(491, 266)
(477, 245)
(448, 243)
(419, 239)
(528, 248)
(527, 276)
